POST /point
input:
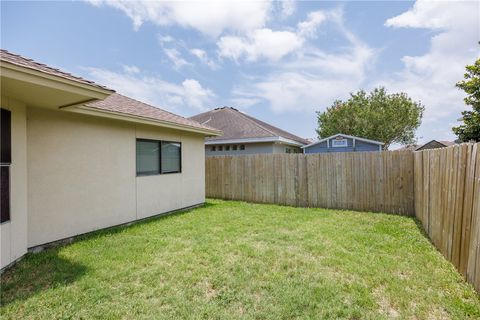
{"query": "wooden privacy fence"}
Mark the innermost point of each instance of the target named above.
(367, 181)
(447, 202)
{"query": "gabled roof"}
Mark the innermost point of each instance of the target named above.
(6, 56)
(238, 126)
(433, 142)
(345, 136)
(119, 104)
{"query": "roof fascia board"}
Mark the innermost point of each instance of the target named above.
(254, 140)
(20, 73)
(131, 118)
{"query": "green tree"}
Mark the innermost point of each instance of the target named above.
(389, 118)
(470, 129)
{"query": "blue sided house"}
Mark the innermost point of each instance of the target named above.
(343, 143)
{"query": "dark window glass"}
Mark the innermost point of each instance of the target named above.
(148, 157)
(234, 148)
(5, 136)
(227, 148)
(220, 148)
(213, 148)
(171, 157)
(5, 193)
(242, 147)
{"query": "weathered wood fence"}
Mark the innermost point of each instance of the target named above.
(441, 187)
(447, 202)
(367, 181)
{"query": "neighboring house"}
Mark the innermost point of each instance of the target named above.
(343, 143)
(77, 157)
(434, 144)
(243, 134)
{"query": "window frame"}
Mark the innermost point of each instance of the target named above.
(160, 172)
(180, 159)
(343, 141)
(5, 163)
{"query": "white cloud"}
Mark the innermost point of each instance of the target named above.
(288, 8)
(308, 27)
(131, 69)
(312, 79)
(431, 77)
(269, 44)
(211, 18)
(156, 91)
(175, 57)
(262, 43)
(203, 57)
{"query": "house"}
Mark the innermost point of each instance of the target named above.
(243, 134)
(77, 157)
(343, 143)
(435, 144)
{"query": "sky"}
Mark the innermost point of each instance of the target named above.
(279, 61)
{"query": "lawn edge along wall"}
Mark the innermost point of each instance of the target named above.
(441, 187)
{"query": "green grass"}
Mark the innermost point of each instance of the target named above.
(232, 260)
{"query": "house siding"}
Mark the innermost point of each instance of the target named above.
(326, 146)
(82, 174)
(250, 148)
(13, 233)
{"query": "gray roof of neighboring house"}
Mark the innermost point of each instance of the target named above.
(122, 104)
(238, 125)
(37, 66)
(442, 142)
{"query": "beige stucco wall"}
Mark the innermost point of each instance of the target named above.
(13, 233)
(81, 174)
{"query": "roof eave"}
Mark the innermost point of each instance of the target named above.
(343, 135)
(19, 72)
(81, 108)
(276, 139)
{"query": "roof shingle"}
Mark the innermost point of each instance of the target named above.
(122, 104)
(31, 64)
(238, 125)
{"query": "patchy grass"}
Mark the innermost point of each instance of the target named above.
(231, 260)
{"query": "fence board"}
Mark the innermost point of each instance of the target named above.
(447, 202)
(375, 181)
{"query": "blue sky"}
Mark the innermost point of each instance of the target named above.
(278, 61)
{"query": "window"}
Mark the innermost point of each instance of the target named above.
(234, 148)
(339, 142)
(227, 148)
(288, 150)
(148, 157)
(242, 147)
(213, 148)
(220, 148)
(5, 193)
(5, 162)
(155, 157)
(171, 157)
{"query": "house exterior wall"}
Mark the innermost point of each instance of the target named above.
(13, 233)
(82, 174)
(326, 146)
(250, 148)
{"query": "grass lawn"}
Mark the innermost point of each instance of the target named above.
(231, 260)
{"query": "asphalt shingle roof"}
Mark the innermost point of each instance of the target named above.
(31, 64)
(238, 125)
(122, 104)
(113, 103)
